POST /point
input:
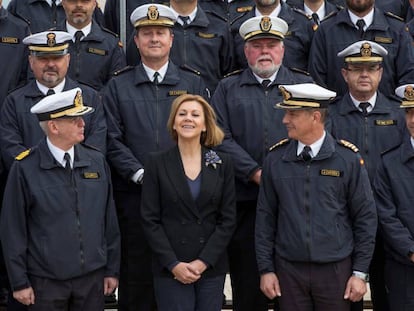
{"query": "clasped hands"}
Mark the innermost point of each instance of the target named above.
(189, 272)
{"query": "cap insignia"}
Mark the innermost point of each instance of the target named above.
(409, 93)
(78, 99)
(265, 24)
(153, 13)
(51, 39)
(286, 94)
(366, 50)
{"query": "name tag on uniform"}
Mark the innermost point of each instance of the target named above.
(329, 172)
(383, 40)
(206, 35)
(97, 51)
(385, 122)
(9, 40)
(91, 175)
(177, 92)
(243, 9)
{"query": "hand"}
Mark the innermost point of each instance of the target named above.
(25, 296)
(256, 176)
(197, 266)
(355, 289)
(110, 284)
(269, 284)
(183, 272)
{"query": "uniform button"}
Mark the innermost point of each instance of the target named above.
(183, 222)
(199, 221)
(202, 241)
(183, 241)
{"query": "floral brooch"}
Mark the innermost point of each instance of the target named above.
(212, 159)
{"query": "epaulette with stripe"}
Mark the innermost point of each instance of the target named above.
(110, 31)
(302, 12)
(330, 15)
(188, 68)
(278, 144)
(235, 72)
(216, 15)
(299, 71)
(22, 155)
(348, 145)
(121, 71)
(390, 14)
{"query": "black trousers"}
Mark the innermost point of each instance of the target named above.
(136, 288)
(245, 279)
(399, 280)
(84, 293)
(313, 286)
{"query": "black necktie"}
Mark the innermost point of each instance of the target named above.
(78, 37)
(185, 19)
(54, 11)
(360, 24)
(305, 154)
(155, 80)
(315, 18)
(50, 92)
(364, 107)
(68, 168)
(266, 83)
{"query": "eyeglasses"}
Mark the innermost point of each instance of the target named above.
(360, 69)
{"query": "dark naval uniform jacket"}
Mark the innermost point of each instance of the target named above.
(337, 32)
(320, 212)
(138, 111)
(246, 113)
(40, 15)
(13, 52)
(57, 225)
(179, 228)
(20, 130)
(229, 11)
(99, 55)
(393, 194)
(297, 40)
(382, 129)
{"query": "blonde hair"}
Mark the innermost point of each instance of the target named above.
(213, 135)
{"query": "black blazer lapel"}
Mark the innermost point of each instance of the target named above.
(209, 178)
(175, 171)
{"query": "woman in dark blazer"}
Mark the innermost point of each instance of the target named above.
(188, 210)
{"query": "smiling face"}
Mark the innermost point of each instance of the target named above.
(189, 121)
(154, 43)
(264, 55)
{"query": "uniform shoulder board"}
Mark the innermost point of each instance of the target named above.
(390, 149)
(90, 147)
(233, 73)
(349, 145)
(299, 71)
(278, 144)
(125, 69)
(330, 15)
(390, 14)
(188, 68)
(302, 12)
(22, 155)
(216, 15)
(110, 31)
